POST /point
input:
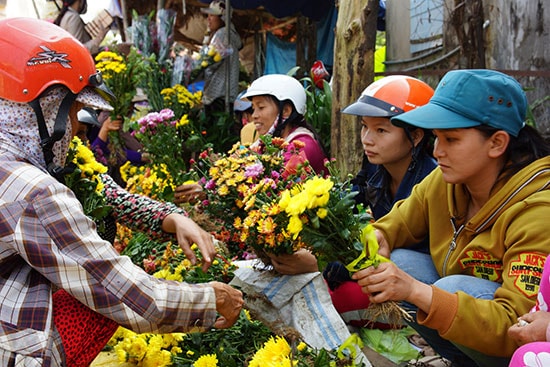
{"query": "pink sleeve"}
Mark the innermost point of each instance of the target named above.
(313, 152)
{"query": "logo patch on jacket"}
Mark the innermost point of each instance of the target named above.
(527, 271)
(482, 265)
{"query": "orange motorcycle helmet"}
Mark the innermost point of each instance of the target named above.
(391, 96)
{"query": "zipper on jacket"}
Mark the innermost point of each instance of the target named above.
(452, 245)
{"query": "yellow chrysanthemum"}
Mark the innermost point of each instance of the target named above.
(298, 204)
(275, 352)
(318, 191)
(183, 121)
(322, 213)
(138, 349)
(295, 225)
(206, 360)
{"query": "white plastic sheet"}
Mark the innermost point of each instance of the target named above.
(301, 302)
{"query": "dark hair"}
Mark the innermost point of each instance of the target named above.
(66, 4)
(294, 120)
(424, 146)
(522, 150)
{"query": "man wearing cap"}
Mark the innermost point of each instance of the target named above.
(219, 23)
(485, 210)
(47, 243)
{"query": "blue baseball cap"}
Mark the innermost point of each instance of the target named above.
(469, 98)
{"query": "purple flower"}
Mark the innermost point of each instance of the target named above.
(254, 170)
(166, 114)
(210, 185)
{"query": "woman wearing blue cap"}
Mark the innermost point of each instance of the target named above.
(485, 211)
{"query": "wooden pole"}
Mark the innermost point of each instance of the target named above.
(124, 20)
(235, 53)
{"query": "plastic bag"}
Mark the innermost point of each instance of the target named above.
(392, 344)
(166, 20)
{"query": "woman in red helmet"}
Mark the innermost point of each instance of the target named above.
(47, 241)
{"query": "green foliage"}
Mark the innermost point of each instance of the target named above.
(318, 107)
(232, 346)
(141, 247)
(530, 117)
(158, 77)
(218, 130)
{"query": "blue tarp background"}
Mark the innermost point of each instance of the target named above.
(281, 56)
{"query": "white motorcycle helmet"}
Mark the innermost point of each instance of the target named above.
(280, 86)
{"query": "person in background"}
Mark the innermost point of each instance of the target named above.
(48, 242)
(279, 104)
(215, 75)
(532, 331)
(485, 211)
(69, 19)
(100, 144)
(243, 113)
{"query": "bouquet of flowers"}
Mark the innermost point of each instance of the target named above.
(163, 136)
(121, 73)
(239, 184)
(207, 55)
(142, 32)
(320, 214)
(83, 179)
(180, 100)
(166, 20)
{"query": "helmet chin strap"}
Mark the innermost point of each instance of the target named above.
(59, 130)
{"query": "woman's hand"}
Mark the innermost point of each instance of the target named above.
(383, 245)
(302, 261)
(188, 193)
(187, 233)
(531, 327)
(229, 302)
(389, 283)
(107, 126)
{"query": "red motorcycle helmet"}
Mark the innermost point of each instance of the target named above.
(36, 54)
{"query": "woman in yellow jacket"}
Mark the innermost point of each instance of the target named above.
(486, 212)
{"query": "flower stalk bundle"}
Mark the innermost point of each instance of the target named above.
(83, 179)
(122, 74)
(163, 135)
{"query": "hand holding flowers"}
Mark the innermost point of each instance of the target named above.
(163, 137)
(209, 55)
(239, 184)
(122, 75)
